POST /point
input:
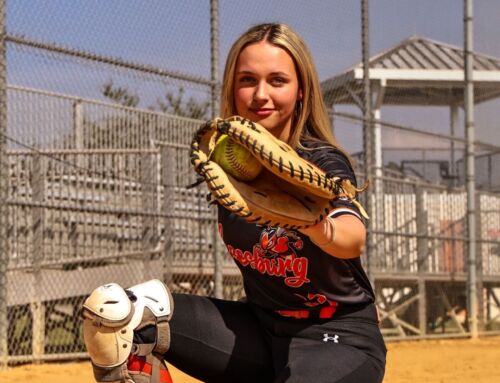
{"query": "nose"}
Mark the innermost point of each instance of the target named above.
(261, 92)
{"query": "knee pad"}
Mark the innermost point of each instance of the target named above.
(110, 316)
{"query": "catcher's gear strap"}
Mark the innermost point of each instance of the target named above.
(108, 326)
(148, 369)
(117, 374)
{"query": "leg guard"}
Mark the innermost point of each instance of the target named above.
(110, 316)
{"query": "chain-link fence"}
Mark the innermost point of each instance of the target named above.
(419, 257)
(102, 99)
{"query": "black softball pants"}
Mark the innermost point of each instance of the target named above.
(225, 341)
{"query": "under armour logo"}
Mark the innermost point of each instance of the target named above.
(327, 338)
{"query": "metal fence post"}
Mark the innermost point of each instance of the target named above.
(369, 153)
(214, 41)
(149, 224)
(78, 129)
(167, 158)
(38, 216)
(214, 48)
(422, 253)
(479, 263)
(470, 171)
(4, 190)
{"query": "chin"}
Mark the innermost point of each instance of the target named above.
(266, 122)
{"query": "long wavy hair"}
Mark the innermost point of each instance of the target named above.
(310, 120)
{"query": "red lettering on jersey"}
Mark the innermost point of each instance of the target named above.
(275, 256)
(278, 267)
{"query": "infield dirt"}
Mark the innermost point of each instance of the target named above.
(437, 361)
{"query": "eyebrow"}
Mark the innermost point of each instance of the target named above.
(272, 73)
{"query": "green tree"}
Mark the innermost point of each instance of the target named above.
(171, 103)
(120, 95)
(175, 104)
(127, 128)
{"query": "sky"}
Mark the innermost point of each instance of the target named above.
(175, 35)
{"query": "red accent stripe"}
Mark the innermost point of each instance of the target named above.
(323, 313)
(297, 314)
(139, 365)
(328, 312)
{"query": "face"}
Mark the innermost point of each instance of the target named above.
(266, 87)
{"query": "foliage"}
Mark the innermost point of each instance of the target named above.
(172, 103)
(175, 104)
(119, 95)
(125, 128)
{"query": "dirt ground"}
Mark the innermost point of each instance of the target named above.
(438, 361)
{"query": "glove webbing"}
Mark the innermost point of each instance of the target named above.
(313, 177)
(279, 159)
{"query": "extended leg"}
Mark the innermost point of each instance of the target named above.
(111, 314)
(218, 341)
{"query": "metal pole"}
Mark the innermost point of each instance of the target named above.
(214, 43)
(470, 170)
(38, 216)
(368, 136)
(78, 129)
(453, 124)
(4, 191)
(168, 162)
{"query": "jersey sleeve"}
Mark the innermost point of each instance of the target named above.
(335, 164)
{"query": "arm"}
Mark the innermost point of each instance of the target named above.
(343, 233)
(341, 237)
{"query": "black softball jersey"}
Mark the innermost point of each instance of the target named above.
(282, 269)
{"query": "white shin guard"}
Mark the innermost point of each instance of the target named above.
(110, 316)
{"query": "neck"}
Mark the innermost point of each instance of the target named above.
(283, 133)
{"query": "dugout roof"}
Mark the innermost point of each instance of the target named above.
(418, 71)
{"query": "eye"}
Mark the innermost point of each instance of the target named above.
(246, 80)
(278, 81)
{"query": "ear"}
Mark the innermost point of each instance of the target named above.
(299, 97)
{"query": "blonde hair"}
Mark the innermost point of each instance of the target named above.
(311, 118)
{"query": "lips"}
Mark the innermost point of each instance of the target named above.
(262, 112)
